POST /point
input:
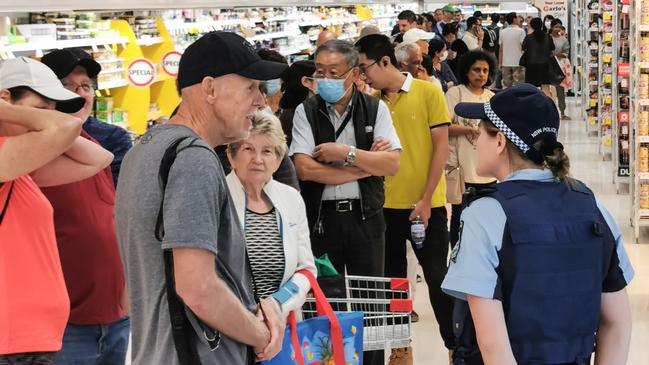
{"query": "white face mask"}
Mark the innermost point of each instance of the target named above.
(444, 56)
(547, 24)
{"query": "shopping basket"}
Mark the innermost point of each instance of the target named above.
(386, 307)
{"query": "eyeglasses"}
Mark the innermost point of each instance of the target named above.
(319, 75)
(86, 88)
(364, 68)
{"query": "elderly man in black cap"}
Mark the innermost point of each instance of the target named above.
(78, 73)
(182, 245)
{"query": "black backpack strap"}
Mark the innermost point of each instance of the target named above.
(184, 325)
(4, 210)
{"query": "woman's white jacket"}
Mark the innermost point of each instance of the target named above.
(294, 231)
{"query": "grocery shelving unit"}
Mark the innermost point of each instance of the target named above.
(621, 101)
(606, 59)
(579, 52)
(592, 24)
(639, 121)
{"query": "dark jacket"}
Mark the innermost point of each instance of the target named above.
(364, 111)
(445, 75)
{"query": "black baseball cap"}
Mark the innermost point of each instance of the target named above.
(522, 113)
(63, 62)
(222, 53)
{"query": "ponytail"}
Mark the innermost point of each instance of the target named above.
(559, 163)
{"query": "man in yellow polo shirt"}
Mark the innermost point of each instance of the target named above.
(421, 119)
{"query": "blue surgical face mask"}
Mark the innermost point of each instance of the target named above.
(331, 90)
(272, 86)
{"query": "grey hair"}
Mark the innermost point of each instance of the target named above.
(403, 50)
(269, 126)
(342, 47)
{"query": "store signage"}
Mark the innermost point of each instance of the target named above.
(623, 69)
(170, 62)
(556, 8)
(141, 72)
(623, 118)
(623, 171)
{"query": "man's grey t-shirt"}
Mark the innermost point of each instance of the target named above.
(198, 213)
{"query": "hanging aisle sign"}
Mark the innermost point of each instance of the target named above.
(170, 62)
(141, 72)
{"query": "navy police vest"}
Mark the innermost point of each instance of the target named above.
(550, 273)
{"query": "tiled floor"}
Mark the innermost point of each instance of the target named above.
(587, 165)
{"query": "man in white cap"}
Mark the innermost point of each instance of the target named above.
(38, 147)
(420, 37)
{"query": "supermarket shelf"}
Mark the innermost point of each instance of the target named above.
(149, 41)
(269, 36)
(643, 28)
(348, 36)
(112, 84)
(643, 213)
(103, 72)
(111, 60)
(643, 65)
(327, 22)
(643, 175)
(292, 50)
(72, 43)
(385, 16)
(643, 139)
(643, 102)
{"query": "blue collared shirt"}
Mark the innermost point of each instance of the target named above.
(474, 269)
(113, 138)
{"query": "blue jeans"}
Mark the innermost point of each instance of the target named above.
(94, 344)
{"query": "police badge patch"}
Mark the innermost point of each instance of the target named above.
(456, 249)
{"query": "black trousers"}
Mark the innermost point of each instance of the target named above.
(432, 257)
(456, 213)
(356, 245)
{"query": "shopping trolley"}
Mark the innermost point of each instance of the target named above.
(386, 307)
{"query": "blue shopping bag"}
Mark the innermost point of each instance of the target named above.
(332, 338)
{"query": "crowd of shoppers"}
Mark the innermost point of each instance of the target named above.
(263, 167)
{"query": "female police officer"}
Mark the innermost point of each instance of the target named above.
(539, 261)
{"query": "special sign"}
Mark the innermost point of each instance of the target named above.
(141, 72)
(170, 62)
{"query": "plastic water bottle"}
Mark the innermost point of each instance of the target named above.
(418, 232)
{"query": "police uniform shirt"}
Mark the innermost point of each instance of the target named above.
(474, 260)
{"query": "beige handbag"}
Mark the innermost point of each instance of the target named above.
(454, 175)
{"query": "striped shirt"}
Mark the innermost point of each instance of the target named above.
(266, 252)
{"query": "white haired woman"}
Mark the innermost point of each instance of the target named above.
(272, 214)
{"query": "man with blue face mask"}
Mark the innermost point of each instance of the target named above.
(344, 142)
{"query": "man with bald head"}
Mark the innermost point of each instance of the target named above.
(180, 206)
(324, 37)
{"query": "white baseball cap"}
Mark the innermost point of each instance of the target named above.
(23, 71)
(415, 34)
